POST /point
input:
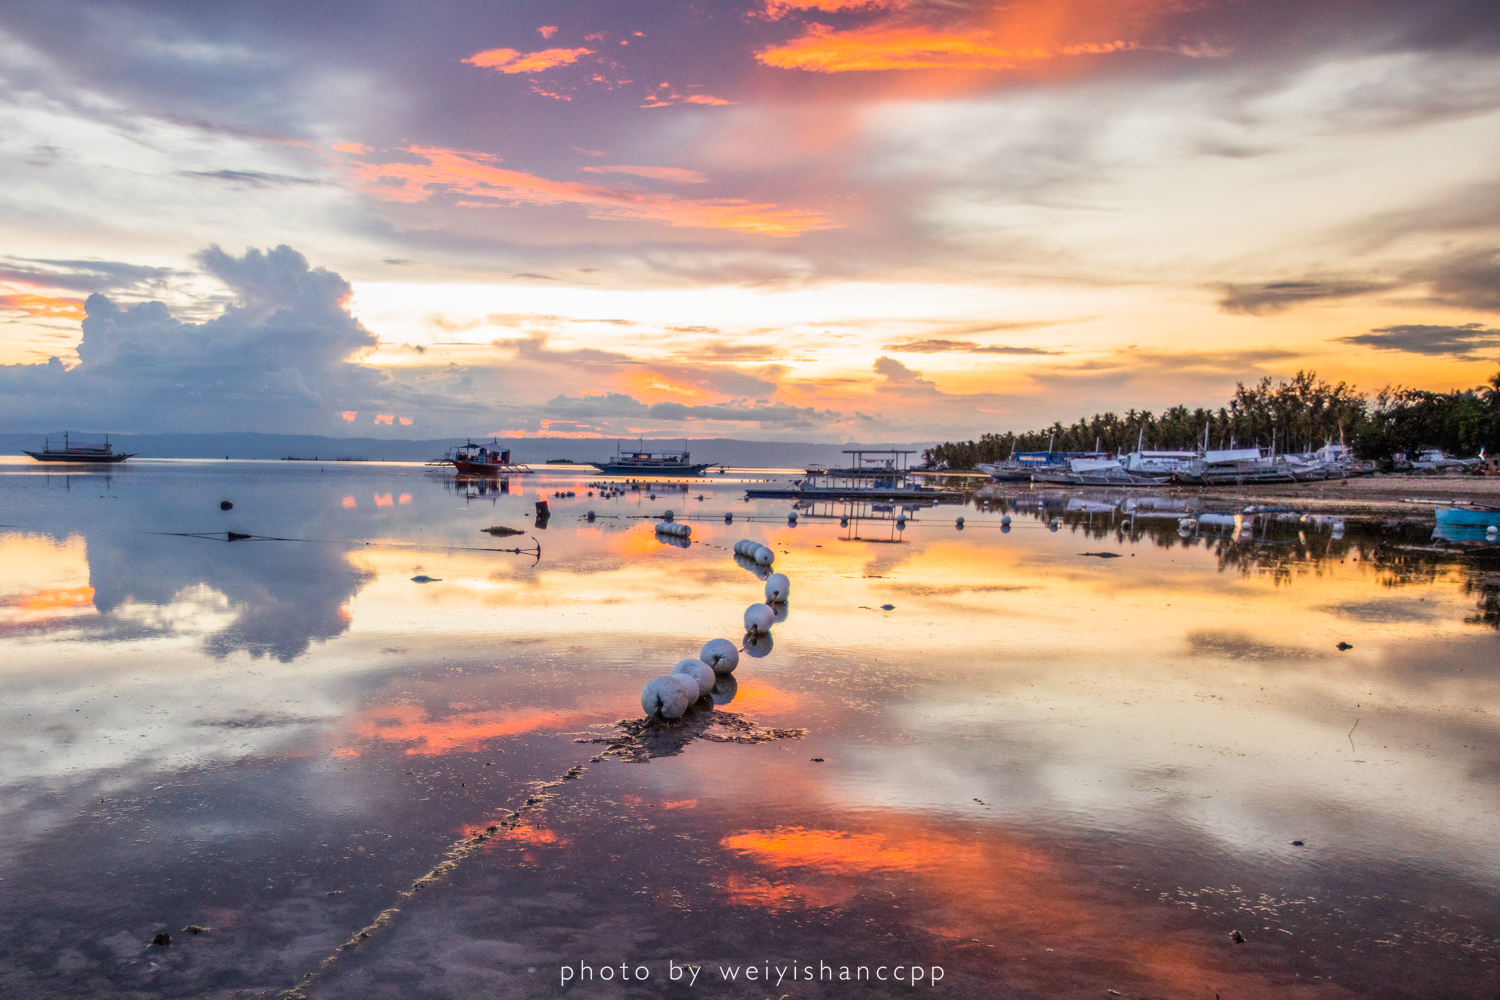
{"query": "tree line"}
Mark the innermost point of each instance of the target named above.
(1293, 415)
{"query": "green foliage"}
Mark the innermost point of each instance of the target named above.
(1297, 414)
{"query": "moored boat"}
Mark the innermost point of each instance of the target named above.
(481, 460)
(79, 454)
(642, 462)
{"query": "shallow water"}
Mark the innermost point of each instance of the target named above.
(1044, 771)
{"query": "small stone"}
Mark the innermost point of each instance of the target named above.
(1343, 646)
(817, 760)
(1237, 937)
(194, 929)
(162, 940)
(887, 607)
(1297, 843)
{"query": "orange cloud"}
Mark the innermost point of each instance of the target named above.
(351, 147)
(672, 97)
(512, 61)
(383, 500)
(350, 503)
(43, 306)
(478, 175)
(547, 30)
(851, 853)
(411, 724)
(349, 415)
(385, 418)
(405, 421)
(760, 698)
(766, 895)
(531, 835)
(824, 50)
(1016, 896)
(404, 498)
(674, 174)
(51, 598)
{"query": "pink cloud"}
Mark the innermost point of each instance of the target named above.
(479, 175)
(513, 61)
(547, 30)
(349, 415)
(675, 175)
(384, 418)
(659, 100)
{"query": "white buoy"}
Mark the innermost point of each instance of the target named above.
(1491, 532)
(701, 673)
(778, 588)
(764, 556)
(721, 655)
(779, 611)
(673, 528)
(792, 517)
(668, 696)
(666, 515)
(1005, 519)
(758, 618)
(960, 522)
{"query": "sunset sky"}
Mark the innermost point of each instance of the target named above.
(816, 220)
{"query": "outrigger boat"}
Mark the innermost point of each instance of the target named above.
(479, 460)
(104, 454)
(651, 463)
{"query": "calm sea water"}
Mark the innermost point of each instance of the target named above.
(1043, 771)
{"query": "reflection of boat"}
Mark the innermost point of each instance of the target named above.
(479, 460)
(651, 463)
(1466, 524)
(104, 454)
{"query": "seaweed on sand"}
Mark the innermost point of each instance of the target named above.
(639, 740)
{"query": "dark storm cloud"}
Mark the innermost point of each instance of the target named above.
(85, 275)
(1463, 342)
(1275, 296)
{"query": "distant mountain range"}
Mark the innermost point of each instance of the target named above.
(535, 451)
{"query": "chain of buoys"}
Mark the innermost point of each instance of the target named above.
(709, 675)
(751, 549)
